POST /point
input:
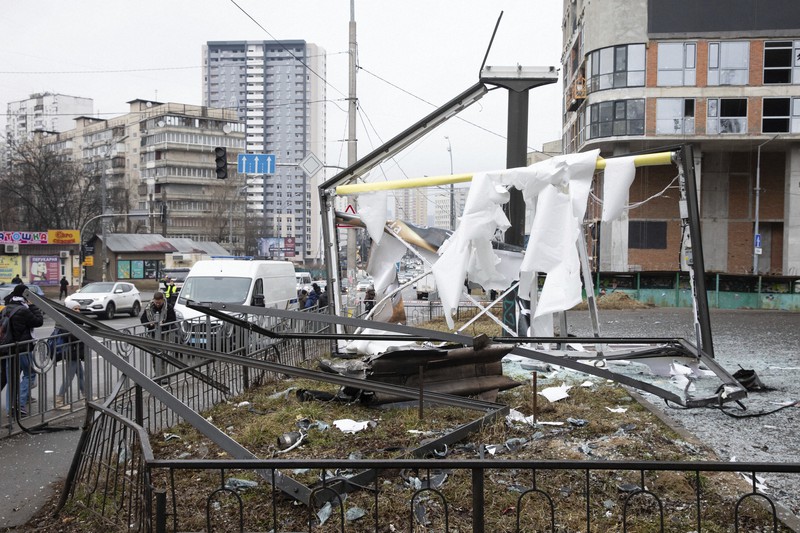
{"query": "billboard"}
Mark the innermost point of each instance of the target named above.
(276, 247)
(53, 236)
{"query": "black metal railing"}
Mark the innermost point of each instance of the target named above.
(117, 478)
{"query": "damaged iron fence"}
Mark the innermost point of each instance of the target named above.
(118, 478)
(56, 386)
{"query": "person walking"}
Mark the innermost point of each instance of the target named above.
(73, 355)
(23, 317)
(64, 284)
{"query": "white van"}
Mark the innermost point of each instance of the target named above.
(258, 283)
(303, 280)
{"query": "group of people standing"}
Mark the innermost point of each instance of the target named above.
(309, 299)
(18, 374)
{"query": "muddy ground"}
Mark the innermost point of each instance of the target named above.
(765, 341)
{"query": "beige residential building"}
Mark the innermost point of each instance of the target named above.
(411, 205)
(158, 159)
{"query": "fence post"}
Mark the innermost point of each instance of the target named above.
(139, 402)
(161, 510)
(477, 501)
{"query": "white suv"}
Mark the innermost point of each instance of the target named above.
(106, 298)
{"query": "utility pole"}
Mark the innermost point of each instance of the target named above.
(452, 190)
(352, 152)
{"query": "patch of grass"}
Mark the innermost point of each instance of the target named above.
(635, 434)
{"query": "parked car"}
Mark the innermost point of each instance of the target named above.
(5, 290)
(106, 298)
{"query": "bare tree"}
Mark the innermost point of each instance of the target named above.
(41, 189)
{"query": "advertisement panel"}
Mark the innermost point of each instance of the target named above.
(9, 266)
(276, 247)
(43, 269)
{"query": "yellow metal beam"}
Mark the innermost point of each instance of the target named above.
(645, 160)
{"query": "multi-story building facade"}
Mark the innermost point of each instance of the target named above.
(277, 88)
(48, 112)
(646, 74)
(442, 199)
(411, 205)
(158, 159)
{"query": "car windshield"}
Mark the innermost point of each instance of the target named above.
(97, 287)
(221, 289)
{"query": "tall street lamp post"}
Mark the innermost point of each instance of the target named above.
(756, 231)
(452, 190)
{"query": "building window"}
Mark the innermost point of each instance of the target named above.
(616, 66)
(780, 115)
(676, 63)
(674, 116)
(728, 63)
(647, 235)
(782, 62)
(727, 115)
(618, 117)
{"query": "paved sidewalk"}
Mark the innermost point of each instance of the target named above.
(29, 467)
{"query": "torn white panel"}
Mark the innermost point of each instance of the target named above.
(372, 210)
(470, 245)
(617, 179)
(617, 409)
(564, 181)
(382, 259)
(547, 246)
(554, 394)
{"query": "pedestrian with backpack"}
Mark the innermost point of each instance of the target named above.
(17, 321)
(69, 349)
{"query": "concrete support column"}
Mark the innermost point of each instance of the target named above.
(791, 212)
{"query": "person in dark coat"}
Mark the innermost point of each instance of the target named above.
(25, 316)
(323, 298)
(311, 300)
(369, 299)
(16, 279)
(313, 296)
(64, 284)
(158, 312)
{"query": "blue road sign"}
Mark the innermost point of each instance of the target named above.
(758, 240)
(256, 164)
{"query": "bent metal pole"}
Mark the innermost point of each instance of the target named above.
(644, 160)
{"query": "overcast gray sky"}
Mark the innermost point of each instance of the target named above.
(410, 52)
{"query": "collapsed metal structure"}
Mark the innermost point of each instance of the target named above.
(595, 355)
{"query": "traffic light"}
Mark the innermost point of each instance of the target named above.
(221, 160)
